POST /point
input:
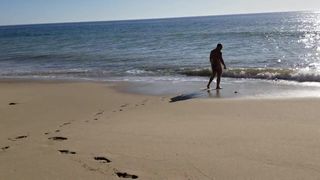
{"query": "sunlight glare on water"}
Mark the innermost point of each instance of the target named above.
(310, 27)
(272, 46)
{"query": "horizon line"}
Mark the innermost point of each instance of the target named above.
(155, 18)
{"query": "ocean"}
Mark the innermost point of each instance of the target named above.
(268, 50)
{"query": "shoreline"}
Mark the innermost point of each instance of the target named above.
(190, 90)
(271, 90)
(92, 131)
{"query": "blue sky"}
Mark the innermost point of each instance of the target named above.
(51, 11)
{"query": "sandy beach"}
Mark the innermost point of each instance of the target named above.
(82, 130)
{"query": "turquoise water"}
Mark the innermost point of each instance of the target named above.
(271, 46)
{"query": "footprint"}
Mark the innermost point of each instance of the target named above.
(124, 105)
(21, 137)
(17, 138)
(126, 175)
(5, 148)
(144, 102)
(64, 124)
(58, 138)
(102, 159)
(56, 131)
(67, 152)
(12, 104)
(99, 113)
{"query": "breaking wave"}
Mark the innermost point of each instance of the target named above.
(261, 73)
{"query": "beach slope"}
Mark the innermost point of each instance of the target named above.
(56, 130)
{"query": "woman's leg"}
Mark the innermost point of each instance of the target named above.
(211, 78)
(219, 73)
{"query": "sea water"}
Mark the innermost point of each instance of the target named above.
(270, 50)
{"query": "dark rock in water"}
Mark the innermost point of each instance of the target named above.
(236, 92)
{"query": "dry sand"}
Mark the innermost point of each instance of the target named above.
(102, 132)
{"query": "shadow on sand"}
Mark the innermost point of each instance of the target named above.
(184, 97)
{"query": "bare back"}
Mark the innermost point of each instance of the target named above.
(215, 59)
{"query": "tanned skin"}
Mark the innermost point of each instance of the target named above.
(216, 60)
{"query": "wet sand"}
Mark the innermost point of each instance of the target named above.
(85, 130)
